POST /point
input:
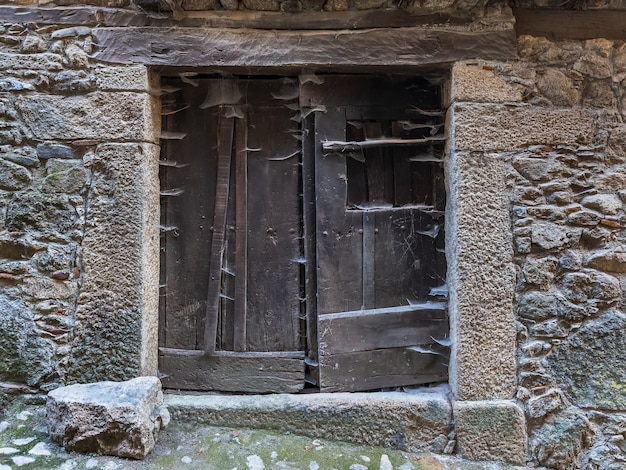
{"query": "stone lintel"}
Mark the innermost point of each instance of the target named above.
(391, 47)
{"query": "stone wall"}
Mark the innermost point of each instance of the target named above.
(555, 118)
(60, 177)
(537, 169)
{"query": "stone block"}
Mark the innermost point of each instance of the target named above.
(116, 328)
(558, 88)
(112, 418)
(409, 421)
(123, 78)
(491, 127)
(600, 343)
(100, 116)
(481, 278)
(608, 260)
(479, 84)
(45, 62)
(491, 430)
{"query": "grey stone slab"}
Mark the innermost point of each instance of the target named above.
(101, 116)
(412, 422)
(491, 430)
(490, 127)
(116, 319)
(481, 278)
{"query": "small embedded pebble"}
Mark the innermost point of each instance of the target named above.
(91, 463)
(4, 467)
(314, 466)
(406, 466)
(20, 460)
(255, 462)
(357, 466)
(24, 415)
(41, 448)
(365, 459)
(68, 465)
(186, 459)
(8, 450)
(23, 441)
(4, 425)
(385, 463)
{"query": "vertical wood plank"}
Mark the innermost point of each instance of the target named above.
(224, 151)
(241, 270)
(369, 256)
(309, 216)
(274, 229)
(188, 164)
(339, 237)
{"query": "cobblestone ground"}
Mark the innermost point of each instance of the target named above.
(24, 444)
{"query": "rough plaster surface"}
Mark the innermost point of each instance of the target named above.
(120, 280)
(481, 278)
(491, 127)
(413, 422)
(492, 430)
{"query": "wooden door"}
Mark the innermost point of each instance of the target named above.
(302, 234)
(232, 283)
(379, 212)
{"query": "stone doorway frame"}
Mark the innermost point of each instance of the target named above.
(488, 422)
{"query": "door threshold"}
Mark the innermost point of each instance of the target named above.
(417, 420)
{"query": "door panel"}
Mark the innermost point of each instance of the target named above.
(379, 239)
(285, 239)
(247, 334)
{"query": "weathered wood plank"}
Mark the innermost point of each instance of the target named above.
(402, 256)
(309, 224)
(187, 47)
(187, 218)
(339, 232)
(380, 368)
(382, 328)
(559, 24)
(240, 319)
(224, 160)
(274, 230)
(370, 91)
(95, 16)
(232, 373)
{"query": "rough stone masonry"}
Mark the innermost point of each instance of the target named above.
(544, 133)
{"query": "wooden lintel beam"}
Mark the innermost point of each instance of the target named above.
(310, 20)
(404, 47)
(560, 24)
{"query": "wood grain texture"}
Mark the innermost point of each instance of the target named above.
(382, 328)
(187, 47)
(253, 373)
(94, 16)
(369, 370)
(188, 245)
(559, 24)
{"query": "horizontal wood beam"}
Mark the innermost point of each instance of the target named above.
(310, 20)
(560, 24)
(194, 47)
